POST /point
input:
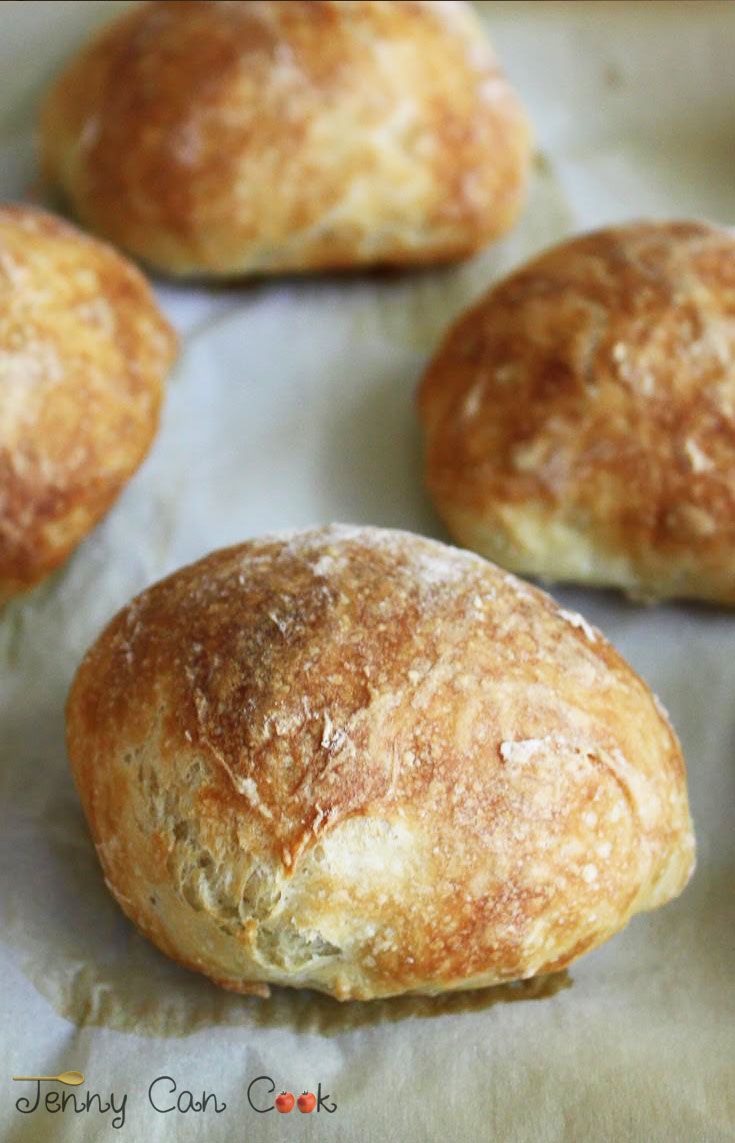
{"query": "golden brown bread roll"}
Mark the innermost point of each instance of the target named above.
(580, 419)
(83, 353)
(289, 135)
(360, 761)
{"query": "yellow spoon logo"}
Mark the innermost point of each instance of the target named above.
(73, 1079)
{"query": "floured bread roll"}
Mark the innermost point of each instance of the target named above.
(289, 135)
(363, 762)
(83, 353)
(580, 420)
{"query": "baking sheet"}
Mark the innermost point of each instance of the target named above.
(293, 404)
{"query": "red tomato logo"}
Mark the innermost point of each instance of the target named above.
(285, 1102)
(306, 1102)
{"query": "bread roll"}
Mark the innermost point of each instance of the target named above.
(580, 419)
(366, 763)
(289, 135)
(83, 353)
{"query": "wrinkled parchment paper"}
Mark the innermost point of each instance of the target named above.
(292, 404)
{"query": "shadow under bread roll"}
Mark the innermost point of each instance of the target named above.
(363, 762)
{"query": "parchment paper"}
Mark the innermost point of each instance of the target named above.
(293, 404)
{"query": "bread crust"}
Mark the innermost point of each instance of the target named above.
(288, 135)
(580, 419)
(363, 762)
(83, 353)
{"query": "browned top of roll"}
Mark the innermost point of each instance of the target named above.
(420, 764)
(590, 397)
(83, 353)
(238, 137)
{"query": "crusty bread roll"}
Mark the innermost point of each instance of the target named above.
(83, 353)
(289, 135)
(363, 762)
(580, 419)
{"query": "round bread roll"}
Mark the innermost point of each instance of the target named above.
(363, 762)
(580, 420)
(289, 135)
(83, 353)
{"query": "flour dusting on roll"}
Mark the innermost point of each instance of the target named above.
(363, 762)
